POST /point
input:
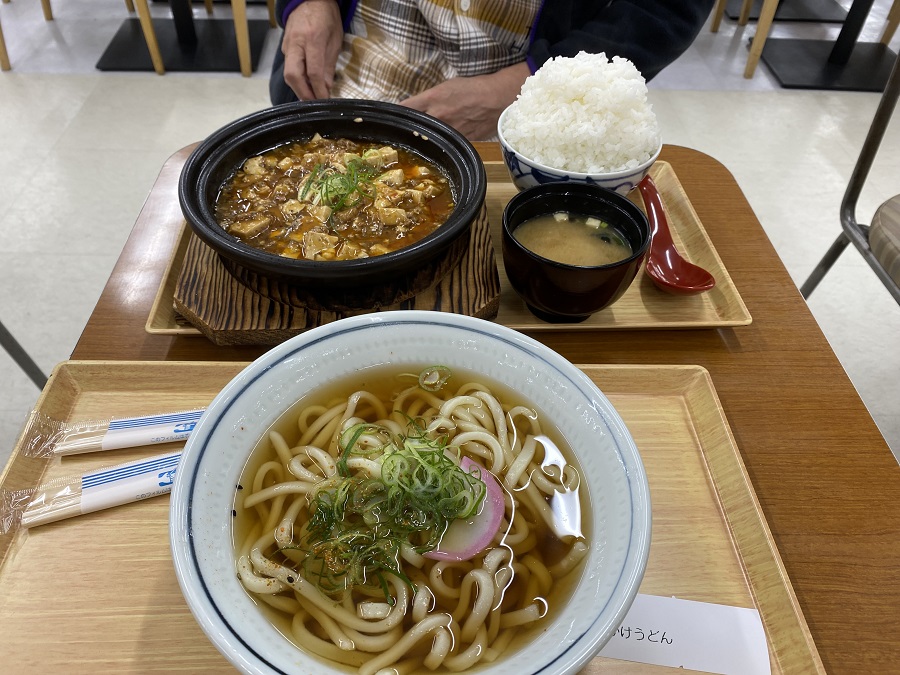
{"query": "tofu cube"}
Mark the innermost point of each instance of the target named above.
(250, 227)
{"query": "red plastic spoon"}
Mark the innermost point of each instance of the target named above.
(665, 266)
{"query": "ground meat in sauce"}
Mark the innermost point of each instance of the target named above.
(334, 200)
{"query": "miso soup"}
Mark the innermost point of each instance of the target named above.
(573, 239)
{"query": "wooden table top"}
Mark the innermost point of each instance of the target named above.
(824, 476)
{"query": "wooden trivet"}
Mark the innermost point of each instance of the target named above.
(230, 313)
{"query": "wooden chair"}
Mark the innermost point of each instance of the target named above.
(241, 32)
(4, 55)
(270, 5)
(48, 16)
(719, 12)
(763, 26)
(878, 243)
(893, 19)
(143, 12)
(48, 10)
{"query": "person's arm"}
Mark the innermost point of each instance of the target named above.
(472, 105)
(649, 33)
(313, 35)
(283, 8)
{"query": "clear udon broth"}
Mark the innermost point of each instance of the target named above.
(573, 239)
(522, 602)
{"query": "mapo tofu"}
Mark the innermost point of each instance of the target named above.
(335, 199)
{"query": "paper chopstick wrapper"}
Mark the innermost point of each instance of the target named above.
(93, 491)
(46, 437)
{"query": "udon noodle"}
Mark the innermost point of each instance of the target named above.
(358, 529)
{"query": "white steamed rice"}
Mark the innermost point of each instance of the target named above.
(585, 114)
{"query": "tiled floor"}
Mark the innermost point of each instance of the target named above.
(79, 150)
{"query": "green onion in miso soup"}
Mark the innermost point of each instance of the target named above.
(573, 239)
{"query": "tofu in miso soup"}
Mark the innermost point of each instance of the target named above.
(573, 239)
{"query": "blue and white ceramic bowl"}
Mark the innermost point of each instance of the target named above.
(215, 455)
(526, 172)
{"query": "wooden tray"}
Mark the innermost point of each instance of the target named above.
(642, 307)
(230, 312)
(97, 593)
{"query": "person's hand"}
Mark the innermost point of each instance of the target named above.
(472, 105)
(313, 35)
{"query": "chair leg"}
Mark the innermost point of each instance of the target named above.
(129, 5)
(48, 11)
(763, 26)
(209, 6)
(143, 10)
(242, 34)
(893, 20)
(20, 356)
(717, 13)
(744, 16)
(4, 55)
(824, 265)
(274, 23)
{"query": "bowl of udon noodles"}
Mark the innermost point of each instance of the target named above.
(414, 492)
(335, 204)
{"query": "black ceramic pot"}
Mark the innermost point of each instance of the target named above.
(341, 284)
(561, 293)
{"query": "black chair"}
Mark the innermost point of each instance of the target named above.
(20, 356)
(877, 246)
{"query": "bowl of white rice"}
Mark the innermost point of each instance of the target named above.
(581, 119)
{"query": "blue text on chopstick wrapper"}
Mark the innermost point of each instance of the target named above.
(128, 482)
(134, 431)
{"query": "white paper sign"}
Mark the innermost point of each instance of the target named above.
(693, 635)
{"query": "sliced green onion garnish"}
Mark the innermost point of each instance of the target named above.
(434, 378)
(358, 524)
